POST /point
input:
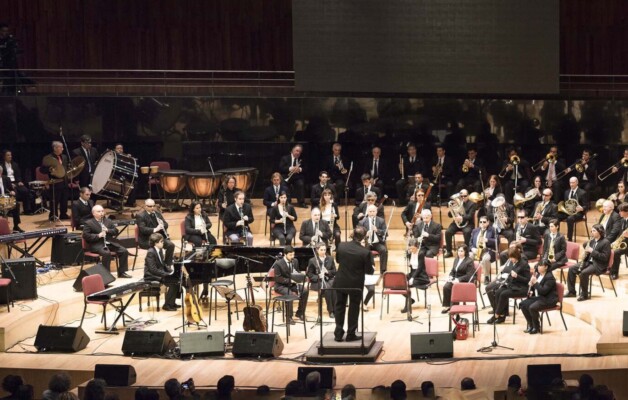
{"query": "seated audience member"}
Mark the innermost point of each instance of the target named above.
(514, 391)
(59, 383)
(175, 391)
(68, 396)
(10, 384)
(398, 390)
(348, 392)
(427, 390)
(313, 385)
(25, 392)
(467, 384)
(112, 396)
(144, 393)
(293, 389)
(225, 387)
(262, 391)
(95, 390)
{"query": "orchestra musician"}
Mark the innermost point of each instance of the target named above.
(410, 165)
(237, 219)
(130, 201)
(597, 253)
(619, 196)
(155, 269)
(151, 221)
(535, 191)
(282, 218)
(484, 240)
(99, 234)
(198, 226)
(284, 268)
(82, 208)
(360, 211)
(412, 208)
(544, 285)
(550, 167)
(610, 220)
(470, 171)
(13, 171)
(271, 193)
(514, 171)
(58, 192)
(554, 247)
(623, 177)
(500, 277)
(317, 189)
(291, 165)
(442, 174)
(513, 283)
(419, 184)
(491, 191)
(525, 234)
(619, 251)
(588, 176)
(6, 190)
(330, 214)
(462, 270)
(226, 194)
(428, 235)
(354, 261)
(544, 211)
(417, 277)
(376, 235)
(578, 194)
(90, 154)
(502, 218)
(314, 230)
(321, 271)
(338, 168)
(377, 168)
(464, 222)
(367, 187)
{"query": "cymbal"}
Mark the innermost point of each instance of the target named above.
(56, 170)
(78, 163)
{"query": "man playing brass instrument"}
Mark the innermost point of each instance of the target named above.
(577, 214)
(525, 234)
(544, 211)
(620, 245)
(549, 169)
(463, 221)
(554, 247)
(483, 245)
(594, 260)
(470, 170)
(514, 171)
(411, 165)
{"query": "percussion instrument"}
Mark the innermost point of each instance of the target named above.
(154, 169)
(245, 177)
(144, 170)
(172, 181)
(57, 170)
(114, 175)
(37, 185)
(78, 163)
(7, 203)
(203, 184)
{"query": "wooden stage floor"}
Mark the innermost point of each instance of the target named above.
(593, 343)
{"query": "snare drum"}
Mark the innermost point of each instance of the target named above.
(204, 184)
(172, 181)
(7, 203)
(245, 177)
(37, 185)
(114, 175)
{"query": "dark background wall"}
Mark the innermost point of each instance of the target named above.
(244, 34)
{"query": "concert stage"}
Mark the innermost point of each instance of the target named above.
(593, 342)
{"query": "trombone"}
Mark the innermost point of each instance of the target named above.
(609, 171)
(514, 161)
(578, 166)
(549, 157)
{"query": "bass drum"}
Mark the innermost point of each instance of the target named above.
(114, 176)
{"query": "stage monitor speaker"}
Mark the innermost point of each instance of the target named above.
(97, 269)
(115, 375)
(625, 324)
(202, 344)
(328, 375)
(60, 338)
(541, 376)
(147, 343)
(24, 285)
(431, 345)
(67, 249)
(257, 344)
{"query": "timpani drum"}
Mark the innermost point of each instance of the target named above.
(7, 203)
(245, 177)
(204, 184)
(114, 175)
(172, 181)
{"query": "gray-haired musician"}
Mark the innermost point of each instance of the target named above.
(621, 239)
(314, 230)
(99, 234)
(53, 164)
(463, 221)
(151, 221)
(574, 193)
(597, 253)
(376, 235)
(360, 211)
(544, 211)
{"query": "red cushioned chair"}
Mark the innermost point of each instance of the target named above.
(91, 254)
(394, 283)
(461, 294)
(431, 268)
(560, 291)
(572, 252)
(94, 284)
(605, 273)
(5, 284)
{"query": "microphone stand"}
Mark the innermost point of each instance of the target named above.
(409, 316)
(69, 166)
(494, 344)
(347, 200)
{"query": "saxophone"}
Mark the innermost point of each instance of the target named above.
(481, 246)
(550, 254)
(619, 242)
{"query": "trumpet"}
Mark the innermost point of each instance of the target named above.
(514, 161)
(294, 171)
(340, 166)
(549, 157)
(619, 242)
(466, 166)
(568, 207)
(609, 171)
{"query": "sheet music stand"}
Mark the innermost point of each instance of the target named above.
(228, 294)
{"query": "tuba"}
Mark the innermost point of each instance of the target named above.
(499, 211)
(568, 207)
(456, 208)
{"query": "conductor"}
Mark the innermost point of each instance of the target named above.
(355, 262)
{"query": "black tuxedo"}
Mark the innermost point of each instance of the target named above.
(591, 173)
(411, 189)
(81, 212)
(271, 197)
(619, 252)
(613, 226)
(548, 212)
(285, 236)
(583, 200)
(471, 180)
(22, 193)
(307, 231)
(508, 181)
(381, 174)
(313, 274)
(531, 245)
(380, 246)
(226, 196)
(595, 264)
(560, 251)
(15, 212)
(512, 287)
(146, 223)
(468, 221)
(360, 193)
(297, 180)
(284, 284)
(546, 297)
(355, 261)
(317, 193)
(557, 185)
(232, 216)
(408, 212)
(194, 235)
(96, 244)
(58, 192)
(156, 270)
(91, 157)
(361, 209)
(490, 244)
(336, 177)
(431, 243)
(464, 271)
(409, 169)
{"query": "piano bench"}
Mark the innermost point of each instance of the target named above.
(152, 292)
